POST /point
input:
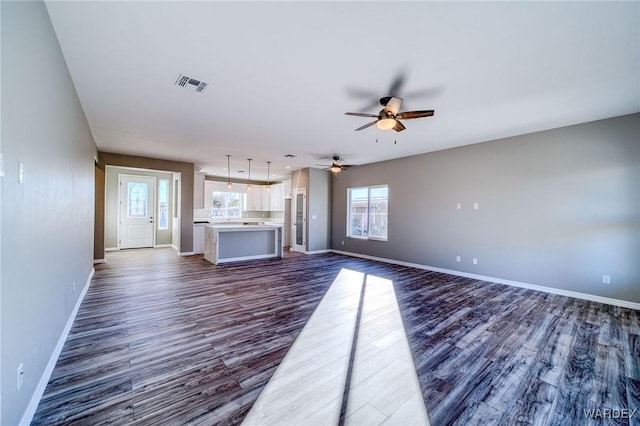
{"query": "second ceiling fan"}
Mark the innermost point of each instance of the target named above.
(389, 117)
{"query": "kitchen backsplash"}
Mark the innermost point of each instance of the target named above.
(199, 214)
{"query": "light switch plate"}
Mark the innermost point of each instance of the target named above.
(20, 172)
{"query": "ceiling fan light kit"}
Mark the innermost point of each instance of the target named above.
(389, 117)
(386, 123)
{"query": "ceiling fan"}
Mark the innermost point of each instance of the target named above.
(389, 117)
(337, 166)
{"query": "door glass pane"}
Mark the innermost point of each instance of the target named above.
(299, 218)
(137, 200)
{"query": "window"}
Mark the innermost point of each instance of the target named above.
(137, 203)
(226, 204)
(163, 204)
(368, 209)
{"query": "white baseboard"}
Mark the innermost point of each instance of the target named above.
(96, 261)
(551, 290)
(111, 248)
(318, 251)
(162, 245)
(186, 253)
(27, 417)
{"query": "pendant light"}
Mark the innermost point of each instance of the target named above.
(228, 172)
(268, 175)
(249, 184)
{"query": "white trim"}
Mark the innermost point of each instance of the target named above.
(318, 251)
(163, 245)
(257, 256)
(96, 261)
(568, 293)
(111, 249)
(186, 253)
(27, 417)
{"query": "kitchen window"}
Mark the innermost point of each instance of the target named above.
(226, 204)
(368, 212)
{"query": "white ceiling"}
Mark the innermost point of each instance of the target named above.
(282, 74)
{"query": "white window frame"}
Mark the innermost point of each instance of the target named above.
(226, 208)
(349, 218)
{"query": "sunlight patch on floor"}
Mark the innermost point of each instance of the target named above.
(308, 387)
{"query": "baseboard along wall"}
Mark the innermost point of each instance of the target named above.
(46, 375)
(568, 293)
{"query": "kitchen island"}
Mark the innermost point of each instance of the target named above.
(230, 243)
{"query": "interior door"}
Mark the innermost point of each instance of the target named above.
(137, 206)
(299, 224)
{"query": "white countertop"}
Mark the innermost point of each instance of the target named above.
(227, 228)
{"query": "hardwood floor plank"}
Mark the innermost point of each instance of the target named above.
(163, 339)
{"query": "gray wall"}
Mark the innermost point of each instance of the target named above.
(186, 171)
(319, 210)
(111, 204)
(318, 185)
(48, 221)
(558, 208)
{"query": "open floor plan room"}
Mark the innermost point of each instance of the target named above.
(161, 339)
(300, 213)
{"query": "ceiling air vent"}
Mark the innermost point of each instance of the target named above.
(191, 83)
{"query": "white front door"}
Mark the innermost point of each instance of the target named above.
(299, 220)
(137, 206)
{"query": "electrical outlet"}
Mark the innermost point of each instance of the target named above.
(20, 375)
(606, 279)
(20, 172)
(475, 261)
(73, 287)
(342, 242)
(475, 206)
(459, 206)
(457, 258)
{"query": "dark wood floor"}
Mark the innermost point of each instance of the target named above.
(161, 339)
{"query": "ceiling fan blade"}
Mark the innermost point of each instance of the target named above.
(393, 105)
(397, 83)
(361, 114)
(406, 115)
(367, 125)
(399, 126)
(356, 92)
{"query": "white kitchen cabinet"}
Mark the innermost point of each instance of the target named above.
(266, 199)
(198, 239)
(276, 198)
(254, 199)
(261, 200)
